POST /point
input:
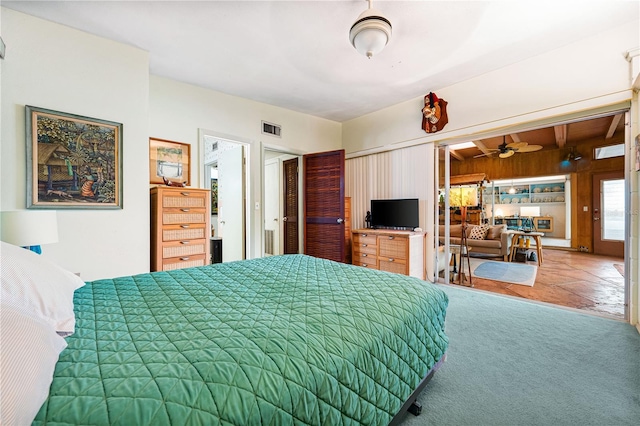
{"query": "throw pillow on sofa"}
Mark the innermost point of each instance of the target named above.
(495, 232)
(479, 232)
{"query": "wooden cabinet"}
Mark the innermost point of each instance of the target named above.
(401, 252)
(347, 229)
(179, 228)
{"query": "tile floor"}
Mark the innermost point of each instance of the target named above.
(578, 280)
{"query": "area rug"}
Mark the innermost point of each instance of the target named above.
(509, 272)
(619, 268)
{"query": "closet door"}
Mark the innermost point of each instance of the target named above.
(290, 219)
(324, 205)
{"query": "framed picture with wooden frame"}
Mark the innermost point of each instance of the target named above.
(169, 161)
(73, 162)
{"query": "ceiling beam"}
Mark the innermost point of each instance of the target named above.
(515, 137)
(482, 147)
(614, 124)
(561, 135)
(456, 155)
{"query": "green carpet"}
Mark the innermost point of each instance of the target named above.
(513, 362)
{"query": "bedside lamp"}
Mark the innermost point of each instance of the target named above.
(29, 228)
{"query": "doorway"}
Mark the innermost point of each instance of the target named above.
(608, 214)
(224, 165)
(282, 183)
(583, 275)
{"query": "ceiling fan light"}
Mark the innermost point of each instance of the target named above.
(370, 33)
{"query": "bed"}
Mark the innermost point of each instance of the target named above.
(280, 340)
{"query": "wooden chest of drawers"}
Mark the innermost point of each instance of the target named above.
(401, 252)
(180, 228)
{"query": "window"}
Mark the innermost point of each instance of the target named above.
(610, 151)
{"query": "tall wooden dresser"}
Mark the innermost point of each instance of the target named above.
(389, 250)
(180, 228)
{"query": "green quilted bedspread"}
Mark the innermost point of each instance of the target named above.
(280, 340)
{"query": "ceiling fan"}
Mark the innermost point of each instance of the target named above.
(505, 150)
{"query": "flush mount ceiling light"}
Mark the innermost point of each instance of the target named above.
(371, 32)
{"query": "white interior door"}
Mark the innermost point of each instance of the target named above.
(272, 207)
(231, 203)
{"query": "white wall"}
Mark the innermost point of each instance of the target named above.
(582, 76)
(52, 66)
(593, 71)
(178, 110)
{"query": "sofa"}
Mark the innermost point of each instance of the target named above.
(489, 240)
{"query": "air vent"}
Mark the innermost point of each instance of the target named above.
(271, 129)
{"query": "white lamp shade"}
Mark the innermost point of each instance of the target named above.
(29, 227)
(370, 33)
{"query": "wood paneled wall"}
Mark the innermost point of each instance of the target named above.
(551, 162)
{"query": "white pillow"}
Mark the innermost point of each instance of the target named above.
(30, 350)
(31, 282)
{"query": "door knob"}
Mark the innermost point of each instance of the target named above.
(284, 219)
(340, 220)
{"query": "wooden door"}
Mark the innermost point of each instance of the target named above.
(608, 214)
(290, 218)
(324, 205)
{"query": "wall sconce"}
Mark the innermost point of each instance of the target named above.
(29, 228)
(573, 155)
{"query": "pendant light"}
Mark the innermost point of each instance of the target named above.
(371, 32)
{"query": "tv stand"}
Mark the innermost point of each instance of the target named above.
(391, 250)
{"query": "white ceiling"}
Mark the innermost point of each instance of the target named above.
(297, 55)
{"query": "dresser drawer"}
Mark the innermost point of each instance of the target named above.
(174, 216)
(367, 258)
(371, 249)
(183, 232)
(398, 267)
(370, 262)
(183, 262)
(185, 198)
(393, 247)
(184, 248)
(371, 240)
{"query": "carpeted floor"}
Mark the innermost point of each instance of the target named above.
(513, 362)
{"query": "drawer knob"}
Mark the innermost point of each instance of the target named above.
(364, 245)
(184, 242)
(186, 194)
(184, 258)
(364, 265)
(364, 235)
(391, 259)
(184, 226)
(184, 210)
(364, 254)
(391, 238)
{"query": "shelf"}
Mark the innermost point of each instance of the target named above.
(539, 193)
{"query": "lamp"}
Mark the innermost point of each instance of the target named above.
(463, 197)
(371, 32)
(573, 155)
(29, 228)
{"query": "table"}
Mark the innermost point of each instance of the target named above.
(459, 253)
(525, 238)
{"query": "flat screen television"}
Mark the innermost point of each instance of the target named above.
(403, 213)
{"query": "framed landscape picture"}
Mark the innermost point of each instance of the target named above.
(169, 161)
(73, 161)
